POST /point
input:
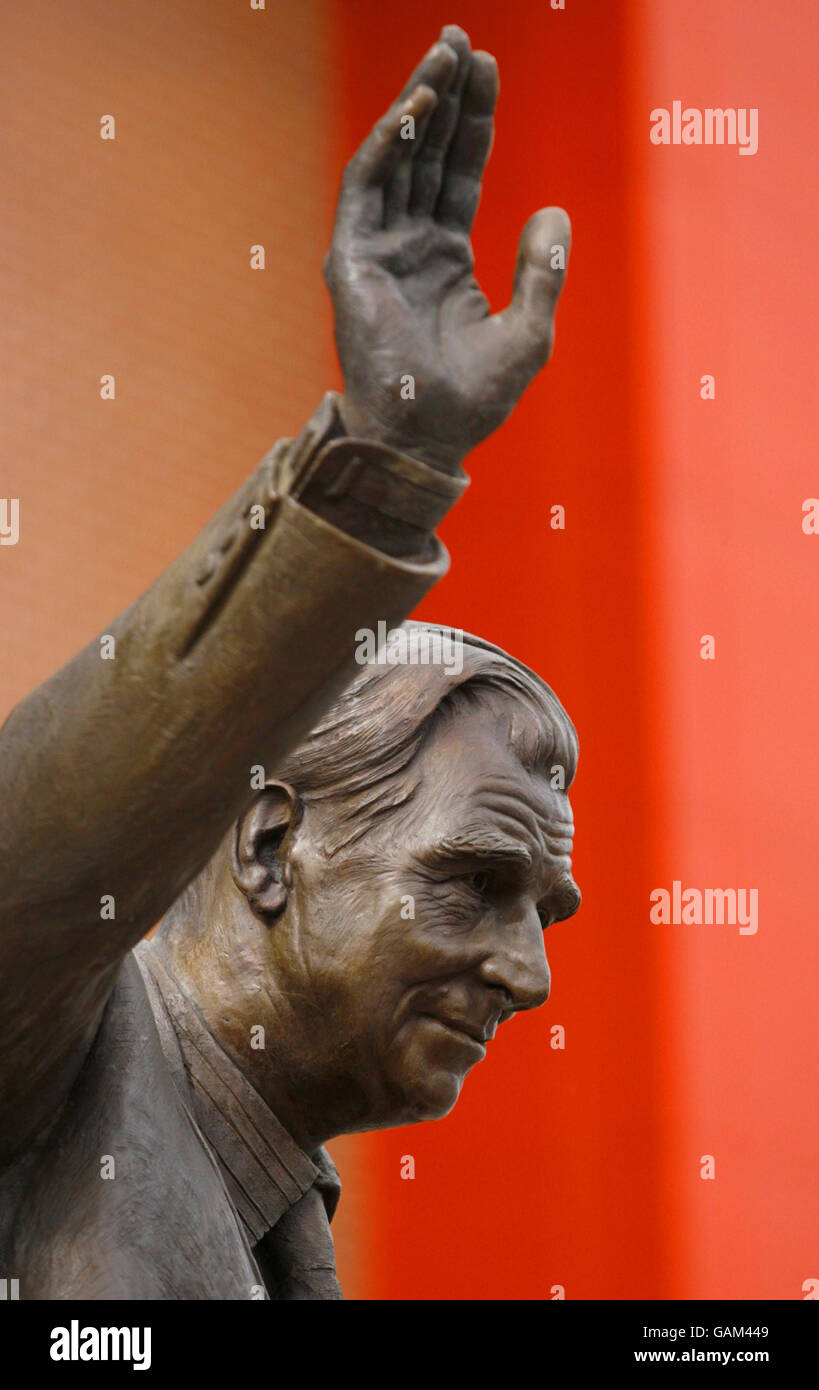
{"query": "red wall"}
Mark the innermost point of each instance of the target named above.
(582, 1168)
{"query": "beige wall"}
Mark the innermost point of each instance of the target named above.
(131, 257)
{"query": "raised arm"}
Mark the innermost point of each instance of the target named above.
(120, 774)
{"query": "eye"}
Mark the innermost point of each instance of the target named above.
(479, 882)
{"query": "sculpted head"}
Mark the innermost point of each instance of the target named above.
(379, 910)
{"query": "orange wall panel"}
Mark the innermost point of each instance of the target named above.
(730, 290)
(548, 1172)
(583, 1168)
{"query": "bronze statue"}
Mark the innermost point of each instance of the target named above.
(356, 861)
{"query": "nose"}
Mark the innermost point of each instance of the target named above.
(517, 962)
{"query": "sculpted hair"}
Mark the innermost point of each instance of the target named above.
(362, 758)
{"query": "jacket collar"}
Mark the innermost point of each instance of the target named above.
(264, 1169)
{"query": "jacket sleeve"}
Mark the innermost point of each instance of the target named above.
(120, 774)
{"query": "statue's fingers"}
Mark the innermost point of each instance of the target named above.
(543, 255)
(361, 200)
(398, 186)
(428, 164)
(438, 69)
(438, 65)
(460, 187)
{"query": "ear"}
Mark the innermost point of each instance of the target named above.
(260, 868)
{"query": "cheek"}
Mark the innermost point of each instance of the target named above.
(444, 910)
(365, 944)
(438, 934)
(355, 939)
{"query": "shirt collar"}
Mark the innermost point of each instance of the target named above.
(265, 1170)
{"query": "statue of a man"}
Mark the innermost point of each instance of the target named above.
(356, 861)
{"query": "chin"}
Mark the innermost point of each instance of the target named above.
(430, 1097)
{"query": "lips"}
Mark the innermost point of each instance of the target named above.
(476, 1032)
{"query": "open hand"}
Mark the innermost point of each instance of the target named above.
(427, 368)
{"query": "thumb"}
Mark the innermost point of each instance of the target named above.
(543, 255)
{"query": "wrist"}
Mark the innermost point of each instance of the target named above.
(361, 423)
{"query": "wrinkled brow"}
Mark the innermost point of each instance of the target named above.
(491, 845)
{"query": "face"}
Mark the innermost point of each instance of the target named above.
(416, 946)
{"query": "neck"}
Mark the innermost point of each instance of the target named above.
(276, 1038)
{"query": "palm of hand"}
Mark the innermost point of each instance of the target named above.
(426, 367)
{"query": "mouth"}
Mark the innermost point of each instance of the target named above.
(464, 1030)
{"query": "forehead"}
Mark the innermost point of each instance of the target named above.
(472, 772)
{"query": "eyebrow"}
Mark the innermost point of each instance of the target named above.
(492, 846)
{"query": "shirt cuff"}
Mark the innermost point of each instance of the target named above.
(369, 490)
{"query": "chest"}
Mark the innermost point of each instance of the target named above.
(123, 1198)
